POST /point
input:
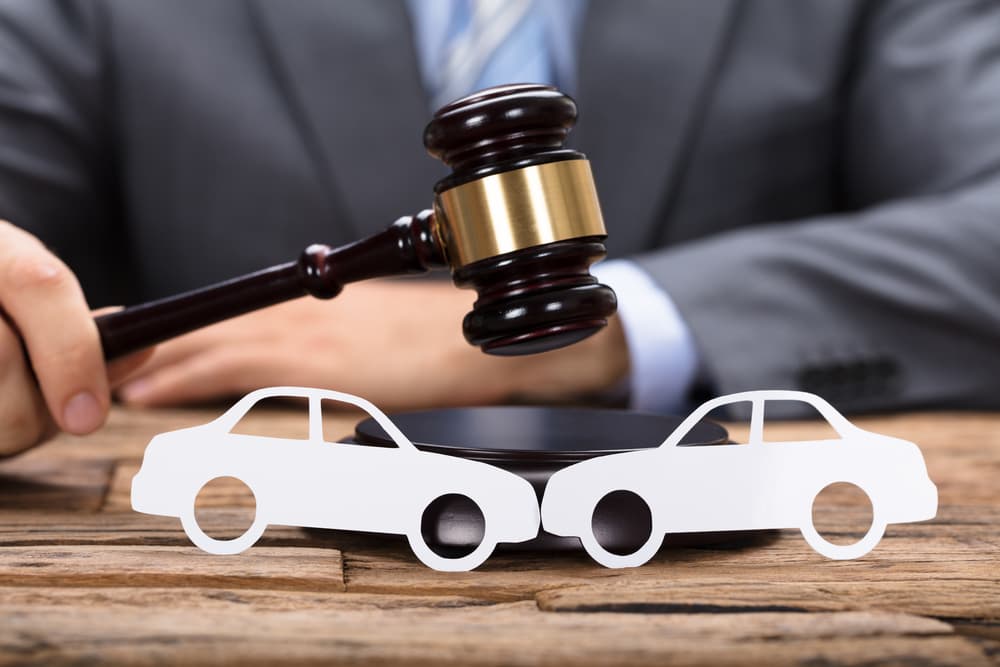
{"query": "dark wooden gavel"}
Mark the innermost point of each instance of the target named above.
(517, 220)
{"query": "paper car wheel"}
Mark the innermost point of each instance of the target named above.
(639, 556)
(431, 559)
(844, 551)
(221, 547)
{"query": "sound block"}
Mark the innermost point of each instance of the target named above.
(535, 442)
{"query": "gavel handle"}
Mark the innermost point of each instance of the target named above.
(410, 245)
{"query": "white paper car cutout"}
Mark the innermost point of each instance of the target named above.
(758, 485)
(318, 484)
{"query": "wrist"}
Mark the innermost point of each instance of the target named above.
(588, 368)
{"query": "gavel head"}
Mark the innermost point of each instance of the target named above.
(518, 219)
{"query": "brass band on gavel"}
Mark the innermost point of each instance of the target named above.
(518, 209)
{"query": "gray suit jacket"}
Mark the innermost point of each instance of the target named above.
(816, 184)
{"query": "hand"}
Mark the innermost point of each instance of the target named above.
(397, 343)
(43, 312)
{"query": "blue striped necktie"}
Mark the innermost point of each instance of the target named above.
(489, 43)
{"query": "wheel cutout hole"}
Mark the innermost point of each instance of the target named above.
(453, 526)
(622, 522)
(225, 508)
(842, 513)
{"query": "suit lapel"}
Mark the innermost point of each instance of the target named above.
(643, 73)
(353, 86)
(642, 76)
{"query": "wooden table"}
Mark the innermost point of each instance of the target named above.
(85, 580)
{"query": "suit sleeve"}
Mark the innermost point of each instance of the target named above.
(55, 168)
(897, 303)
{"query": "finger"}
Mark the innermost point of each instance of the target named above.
(254, 328)
(122, 369)
(24, 419)
(44, 300)
(232, 333)
(175, 351)
(219, 373)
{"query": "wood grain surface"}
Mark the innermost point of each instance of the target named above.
(83, 579)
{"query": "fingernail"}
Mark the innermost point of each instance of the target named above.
(134, 391)
(82, 413)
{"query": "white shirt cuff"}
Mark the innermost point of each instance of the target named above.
(662, 353)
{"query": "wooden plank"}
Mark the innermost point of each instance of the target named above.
(116, 586)
(238, 600)
(134, 529)
(923, 567)
(119, 495)
(508, 634)
(36, 483)
(940, 575)
(684, 580)
(285, 568)
(125, 435)
(930, 570)
(503, 578)
(955, 598)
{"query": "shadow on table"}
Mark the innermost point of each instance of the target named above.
(54, 489)
(567, 552)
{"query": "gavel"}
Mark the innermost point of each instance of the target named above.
(517, 219)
